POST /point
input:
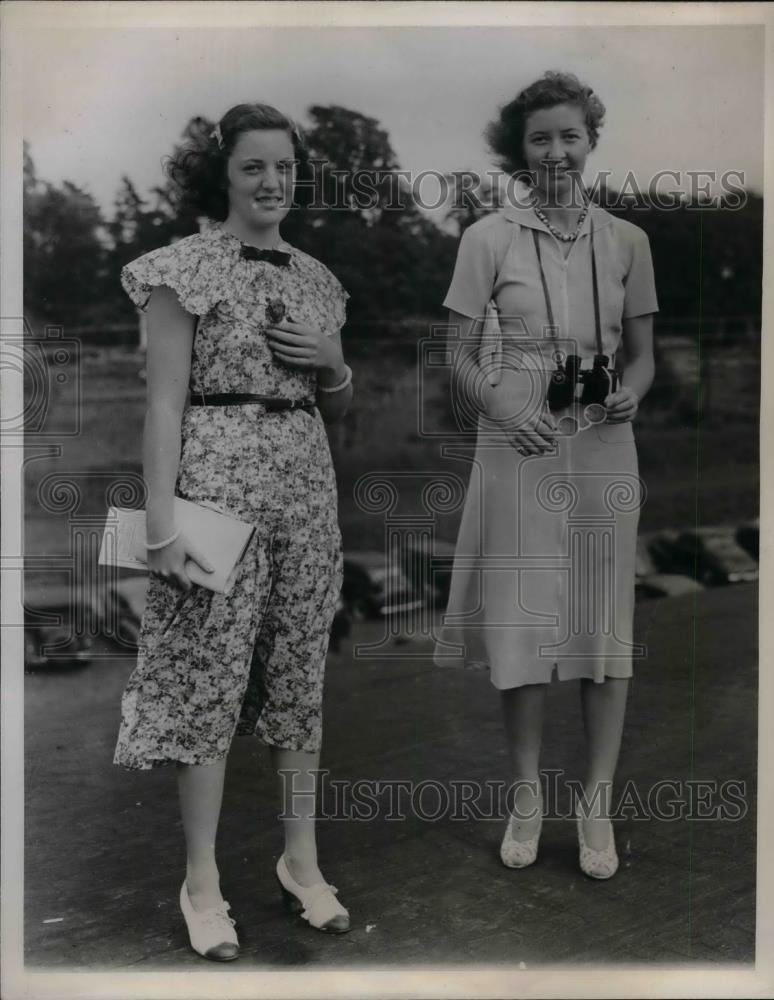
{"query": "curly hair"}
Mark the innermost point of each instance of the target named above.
(198, 169)
(505, 135)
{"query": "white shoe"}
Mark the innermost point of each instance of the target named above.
(519, 853)
(597, 863)
(317, 904)
(211, 931)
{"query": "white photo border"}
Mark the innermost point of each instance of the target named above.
(19, 22)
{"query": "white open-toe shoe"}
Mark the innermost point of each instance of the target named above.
(519, 853)
(211, 931)
(597, 863)
(317, 904)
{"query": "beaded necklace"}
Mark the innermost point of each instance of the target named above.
(564, 237)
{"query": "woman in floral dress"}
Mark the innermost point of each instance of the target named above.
(244, 364)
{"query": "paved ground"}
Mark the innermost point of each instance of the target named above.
(104, 856)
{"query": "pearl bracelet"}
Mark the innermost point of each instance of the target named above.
(342, 385)
(160, 545)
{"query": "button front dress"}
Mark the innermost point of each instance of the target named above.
(251, 661)
(543, 578)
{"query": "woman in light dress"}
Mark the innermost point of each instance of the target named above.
(543, 583)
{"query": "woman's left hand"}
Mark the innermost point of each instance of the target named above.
(621, 405)
(300, 346)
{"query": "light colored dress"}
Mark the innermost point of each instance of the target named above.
(250, 661)
(543, 576)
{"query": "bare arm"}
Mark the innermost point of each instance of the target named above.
(466, 378)
(333, 405)
(532, 433)
(638, 368)
(168, 364)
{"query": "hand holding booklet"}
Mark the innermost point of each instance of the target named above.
(221, 538)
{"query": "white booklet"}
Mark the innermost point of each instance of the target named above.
(221, 538)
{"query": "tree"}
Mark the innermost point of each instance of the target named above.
(367, 228)
(64, 250)
(180, 219)
(134, 230)
(471, 197)
(707, 259)
(356, 170)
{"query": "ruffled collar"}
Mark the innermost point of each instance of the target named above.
(218, 232)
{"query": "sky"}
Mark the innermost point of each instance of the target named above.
(103, 102)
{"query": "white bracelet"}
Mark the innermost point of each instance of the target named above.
(160, 545)
(342, 385)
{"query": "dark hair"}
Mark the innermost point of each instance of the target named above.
(198, 169)
(505, 135)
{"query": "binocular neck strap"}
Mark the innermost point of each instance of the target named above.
(594, 280)
(549, 308)
(595, 283)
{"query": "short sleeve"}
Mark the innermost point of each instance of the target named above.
(339, 297)
(639, 282)
(474, 273)
(180, 266)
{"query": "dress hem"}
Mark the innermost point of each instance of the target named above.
(151, 763)
(557, 673)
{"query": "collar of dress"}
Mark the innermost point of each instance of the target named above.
(525, 216)
(218, 230)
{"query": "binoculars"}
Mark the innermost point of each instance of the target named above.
(598, 382)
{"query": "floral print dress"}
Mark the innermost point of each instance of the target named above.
(251, 661)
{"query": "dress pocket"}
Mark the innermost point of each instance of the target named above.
(615, 433)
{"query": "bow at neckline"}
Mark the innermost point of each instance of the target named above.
(280, 258)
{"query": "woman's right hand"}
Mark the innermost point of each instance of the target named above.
(530, 430)
(169, 563)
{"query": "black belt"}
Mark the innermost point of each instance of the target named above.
(271, 403)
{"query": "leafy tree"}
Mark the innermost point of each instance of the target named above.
(354, 164)
(393, 260)
(134, 230)
(707, 259)
(470, 198)
(180, 219)
(64, 251)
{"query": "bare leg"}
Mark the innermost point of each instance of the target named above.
(523, 714)
(200, 789)
(604, 707)
(297, 772)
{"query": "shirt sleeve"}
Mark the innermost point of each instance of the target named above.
(474, 274)
(179, 267)
(639, 282)
(339, 298)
